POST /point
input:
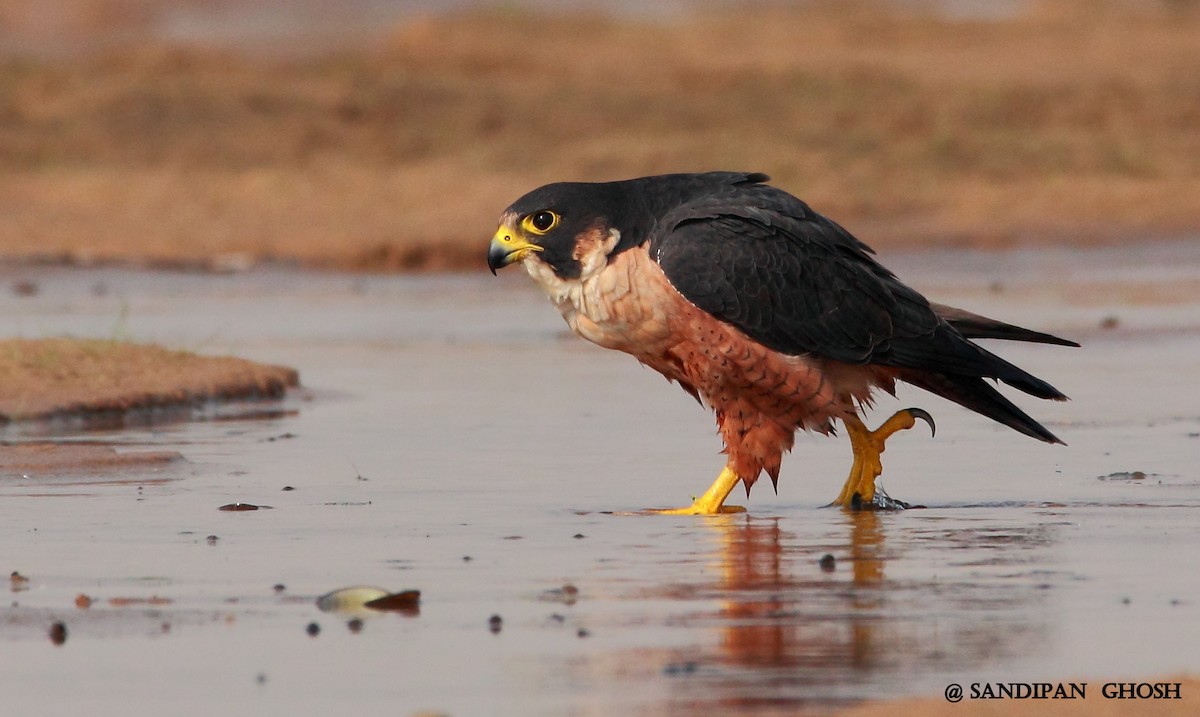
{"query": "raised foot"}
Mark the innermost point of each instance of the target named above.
(859, 492)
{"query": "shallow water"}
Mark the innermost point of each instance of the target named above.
(447, 418)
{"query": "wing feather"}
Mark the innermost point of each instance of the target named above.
(762, 260)
(788, 277)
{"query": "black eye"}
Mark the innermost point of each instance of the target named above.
(543, 221)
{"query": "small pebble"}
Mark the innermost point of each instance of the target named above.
(466, 558)
(495, 623)
(279, 587)
(212, 539)
(82, 601)
(578, 536)
(355, 625)
(313, 629)
(1110, 322)
(583, 632)
(828, 563)
(288, 487)
(58, 633)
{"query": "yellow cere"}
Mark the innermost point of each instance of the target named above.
(516, 246)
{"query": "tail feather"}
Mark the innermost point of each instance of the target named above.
(1018, 378)
(976, 394)
(947, 351)
(948, 363)
(974, 326)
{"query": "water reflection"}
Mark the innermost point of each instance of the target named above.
(776, 619)
(905, 596)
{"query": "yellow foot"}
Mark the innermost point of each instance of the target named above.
(696, 508)
(859, 491)
(713, 500)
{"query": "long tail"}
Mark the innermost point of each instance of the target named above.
(959, 369)
(976, 394)
(974, 326)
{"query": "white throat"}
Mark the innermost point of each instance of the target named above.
(592, 257)
(580, 295)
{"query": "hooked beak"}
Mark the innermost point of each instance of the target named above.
(507, 247)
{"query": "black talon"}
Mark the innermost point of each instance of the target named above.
(924, 416)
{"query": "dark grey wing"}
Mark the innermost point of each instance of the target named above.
(761, 260)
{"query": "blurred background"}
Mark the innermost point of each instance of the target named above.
(388, 135)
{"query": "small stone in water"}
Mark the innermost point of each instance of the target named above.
(58, 633)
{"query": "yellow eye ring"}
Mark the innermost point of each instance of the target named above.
(540, 222)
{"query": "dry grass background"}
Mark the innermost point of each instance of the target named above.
(1068, 121)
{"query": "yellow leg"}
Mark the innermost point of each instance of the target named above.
(859, 489)
(713, 500)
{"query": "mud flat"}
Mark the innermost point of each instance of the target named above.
(451, 440)
(95, 380)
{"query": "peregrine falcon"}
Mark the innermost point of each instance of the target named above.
(768, 312)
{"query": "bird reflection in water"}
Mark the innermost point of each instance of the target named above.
(777, 619)
(899, 598)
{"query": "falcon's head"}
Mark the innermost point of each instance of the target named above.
(567, 226)
(574, 227)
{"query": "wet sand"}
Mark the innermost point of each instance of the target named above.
(453, 440)
(64, 378)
